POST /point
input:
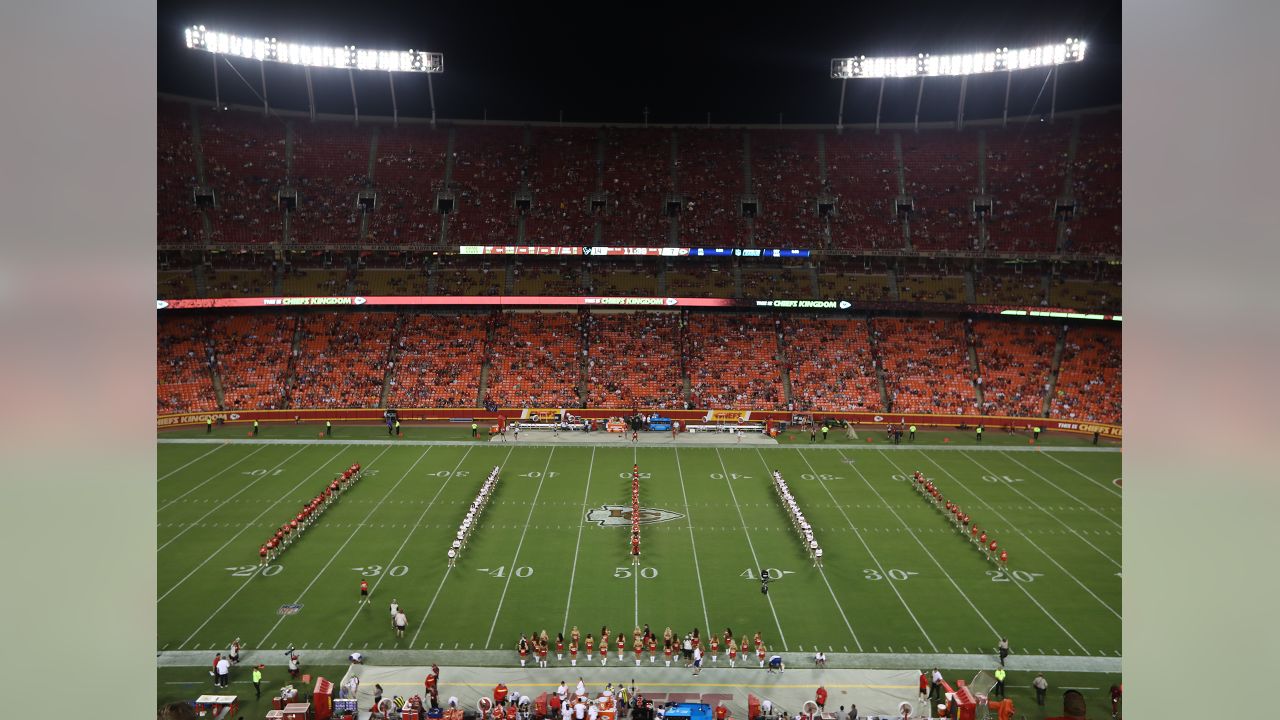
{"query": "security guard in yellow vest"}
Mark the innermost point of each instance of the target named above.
(474, 426)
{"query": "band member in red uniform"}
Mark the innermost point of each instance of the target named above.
(364, 591)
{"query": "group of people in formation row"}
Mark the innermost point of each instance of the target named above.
(537, 646)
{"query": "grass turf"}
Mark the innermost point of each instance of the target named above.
(897, 578)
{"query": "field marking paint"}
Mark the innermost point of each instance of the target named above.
(408, 535)
(198, 459)
(447, 570)
(1029, 540)
(251, 577)
(821, 572)
(924, 547)
(966, 597)
(229, 499)
(635, 576)
(251, 523)
(1105, 486)
(351, 536)
(751, 545)
(688, 517)
(514, 564)
(1064, 492)
(1046, 512)
(582, 522)
(872, 555)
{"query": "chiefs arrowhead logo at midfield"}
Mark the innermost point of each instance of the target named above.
(620, 515)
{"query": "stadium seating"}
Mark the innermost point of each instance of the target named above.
(733, 362)
(784, 173)
(177, 220)
(830, 364)
(1096, 227)
(993, 286)
(244, 159)
(535, 360)
(926, 365)
(438, 361)
(341, 360)
(455, 276)
(1089, 378)
(184, 383)
(562, 176)
(253, 358)
(772, 282)
(636, 175)
(1094, 294)
(846, 279)
(1026, 166)
(941, 172)
(330, 165)
(709, 177)
(315, 281)
(634, 361)
(240, 283)
(175, 284)
(700, 280)
(619, 277)
(931, 288)
(1013, 364)
(486, 172)
(862, 176)
(378, 281)
(408, 172)
(545, 276)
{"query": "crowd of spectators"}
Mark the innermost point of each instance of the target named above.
(175, 284)
(700, 280)
(784, 177)
(330, 166)
(830, 364)
(382, 281)
(1026, 171)
(315, 281)
(862, 177)
(1089, 377)
(1013, 366)
(177, 219)
(244, 160)
(773, 282)
(487, 169)
(634, 361)
(842, 278)
(438, 360)
(732, 361)
(1096, 180)
(562, 176)
(408, 172)
(926, 365)
(931, 288)
(623, 277)
(342, 360)
(544, 276)
(183, 364)
(535, 360)
(253, 353)
(941, 174)
(457, 276)
(1100, 294)
(637, 177)
(709, 175)
(993, 286)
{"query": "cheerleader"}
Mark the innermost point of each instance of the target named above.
(524, 650)
(590, 646)
(559, 646)
(733, 653)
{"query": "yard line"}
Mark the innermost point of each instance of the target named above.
(1046, 512)
(1024, 535)
(689, 521)
(211, 477)
(1109, 487)
(250, 524)
(519, 545)
(227, 500)
(400, 549)
(350, 536)
(255, 574)
(582, 522)
(821, 572)
(1064, 492)
(750, 544)
(966, 597)
(214, 450)
(635, 576)
(874, 559)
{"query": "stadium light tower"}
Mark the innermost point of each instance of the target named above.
(963, 65)
(348, 57)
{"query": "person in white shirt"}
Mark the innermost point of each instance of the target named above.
(224, 672)
(580, 710)
(581, 690)
(395, 608)
(593, 711)
(562, 691)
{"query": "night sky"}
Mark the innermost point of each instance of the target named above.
(607, 62)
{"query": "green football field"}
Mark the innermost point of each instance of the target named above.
(897, 576)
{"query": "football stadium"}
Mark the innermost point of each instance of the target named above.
(536, 415)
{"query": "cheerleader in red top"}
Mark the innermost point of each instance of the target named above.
(573, 653)
(666, 651)
(524, 650)
(733, 653)
(715, 648)
(591, 643)
(559, 646)
(622, 645)
(638, 646)
(653, 648)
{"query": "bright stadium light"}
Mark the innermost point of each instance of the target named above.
(926, 65)
(347, 57)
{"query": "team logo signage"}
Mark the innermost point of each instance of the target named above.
(292, 609)
(620, 515)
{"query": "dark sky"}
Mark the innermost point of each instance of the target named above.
(606, 62)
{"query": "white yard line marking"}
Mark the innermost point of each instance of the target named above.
(582, 522)
(751, 545)
(1045, 511)
(251, 523)
(893, 586)
(1064, 492)
(688, 517)
(1029, 540)
(227, 500)
(532, 505)
(635, 576)
(408, 535)
(211, 477)
(1105, 486)
(192, 462)
(346, 542)
(966, 597)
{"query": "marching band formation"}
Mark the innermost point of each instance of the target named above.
(289, 532)
(473, 515)
(797, 519)
(960, 520)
